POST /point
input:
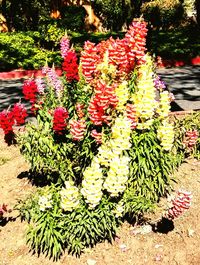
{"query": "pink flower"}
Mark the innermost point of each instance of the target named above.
(97, 136)
(64, 46)
(77, 129)
(180, 204)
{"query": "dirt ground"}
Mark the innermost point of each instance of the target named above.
(179, 246)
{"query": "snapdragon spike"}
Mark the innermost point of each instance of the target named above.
(77, 129)
(180, 204)
(64, 46)
(89, 60)
(131, 115)
(59, 120)
(79, 110)
(6, 121)
(40, 85)
(30, 90)
(53, 80)
(190, 139)
(70, 66)
(19, 113)
(136, 41)
(97, 136)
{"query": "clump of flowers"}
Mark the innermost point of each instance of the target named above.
(45, 202)
(30, 91)
(180, 204)
(77, 129)
(7, 121)
(19, 113)
(190, 139)
(165, 134)
(70, 66)
(59, 120)
(69, 196)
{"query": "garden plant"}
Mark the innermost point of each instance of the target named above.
(104, 147)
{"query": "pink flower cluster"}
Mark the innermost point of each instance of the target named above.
(190, 139)
(64, 46)
(77, 129)
(97, 136)
(180, 204)
(53, 79)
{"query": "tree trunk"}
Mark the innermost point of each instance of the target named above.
(3, 23)
(92, 22)
(198, 11)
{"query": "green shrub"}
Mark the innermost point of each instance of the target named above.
(53, 230)
(21, 50)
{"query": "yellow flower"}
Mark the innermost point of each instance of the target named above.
(165, 134)
(69, 196)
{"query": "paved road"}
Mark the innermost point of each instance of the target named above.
(184, 82)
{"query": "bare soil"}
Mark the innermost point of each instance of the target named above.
(179, 246)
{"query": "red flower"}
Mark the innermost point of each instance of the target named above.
(89, 60)
(103, 99)
(19, 113)
(59, 120)
(136, 41)
(77, 129)
(6, 121)
(70, 66)
(181, 203)
(30, 90)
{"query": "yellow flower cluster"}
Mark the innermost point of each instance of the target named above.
(165, 134)
(145, 97)
(110, 154)
(117, 175)
(45, 202)
(164, 105)
(119, 141)
(122, 93)
(92, 184)
(118, 211)
(107, 70)
(69, 196)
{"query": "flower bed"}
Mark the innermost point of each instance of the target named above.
(103, 148)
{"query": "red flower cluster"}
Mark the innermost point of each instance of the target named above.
(19, 113)
(97, 136)
(103, 99)
(70, 66)
(131, 115)
(190, 139)
(59, 119)
(124, 53)
(6, 121)
(136, 41)
(30, 90)
(89, 60)
(180, 204)
(77, 129)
